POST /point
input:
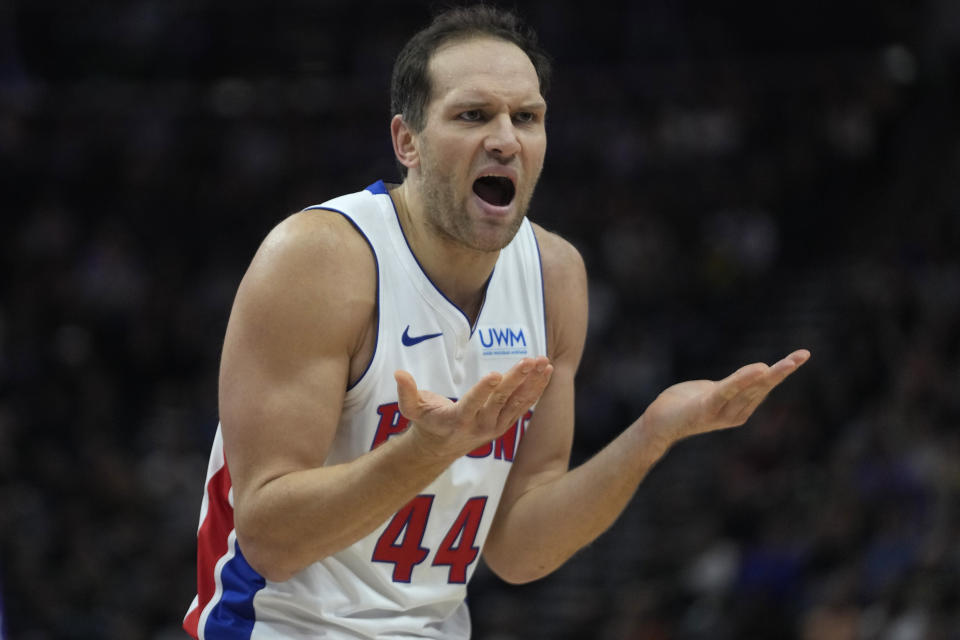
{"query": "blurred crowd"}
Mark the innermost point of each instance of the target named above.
(741, 181)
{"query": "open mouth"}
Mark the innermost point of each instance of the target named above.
(495, 190)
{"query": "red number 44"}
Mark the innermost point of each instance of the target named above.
(400, 542)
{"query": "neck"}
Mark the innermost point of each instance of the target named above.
(459, 271)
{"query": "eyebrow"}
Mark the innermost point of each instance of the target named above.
(534, 105)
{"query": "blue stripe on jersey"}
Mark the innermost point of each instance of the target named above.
(376, 264)
(543, 289)
(377, 187)
(453, 304)
(232, 618)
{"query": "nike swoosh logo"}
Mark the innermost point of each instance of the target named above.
(409, 341)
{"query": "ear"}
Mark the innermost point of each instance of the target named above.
(404, 142)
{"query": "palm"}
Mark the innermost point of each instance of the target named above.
(699, 406)
(682, 404)
(483, 413)
(429, 403)
(430, 406)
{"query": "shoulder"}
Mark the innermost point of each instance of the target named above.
(313, 267)
(312, 246)
(565, 293)
(312, 235)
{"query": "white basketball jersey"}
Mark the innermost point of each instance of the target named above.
(408, 578)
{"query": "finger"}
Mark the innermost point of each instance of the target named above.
(526, 395)
(408, 396)
(756, 388)
(471, 402)
(768, 377)
(740, 380)
(735, 397)
(489, 412)
(511, 381)
(779, 371)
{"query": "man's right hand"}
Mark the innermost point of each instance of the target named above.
(450, 429)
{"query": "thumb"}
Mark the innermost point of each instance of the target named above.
(408, 396)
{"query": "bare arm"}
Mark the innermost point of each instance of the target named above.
(547, 512)
(300, 329)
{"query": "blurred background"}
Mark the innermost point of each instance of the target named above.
(742, 178)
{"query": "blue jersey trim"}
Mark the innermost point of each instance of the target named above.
(378, 188)
(233, 616)
(543, 294)
(376, 264)
(434, 284)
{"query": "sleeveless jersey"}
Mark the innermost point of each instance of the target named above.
(408, 577)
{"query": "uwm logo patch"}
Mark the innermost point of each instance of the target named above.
(504, 340)
(392, 422)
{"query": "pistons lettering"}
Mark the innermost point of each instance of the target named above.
(392, 422)
(504, 447)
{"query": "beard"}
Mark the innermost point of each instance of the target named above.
(447, 212)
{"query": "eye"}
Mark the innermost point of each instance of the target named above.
(524, 117)
(473, 115)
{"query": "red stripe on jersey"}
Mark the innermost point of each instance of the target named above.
(211, 544)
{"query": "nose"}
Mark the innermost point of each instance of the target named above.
(502, 141)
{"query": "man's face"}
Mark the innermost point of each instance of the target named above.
(482, 147)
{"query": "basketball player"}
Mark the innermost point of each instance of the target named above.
(397, 382)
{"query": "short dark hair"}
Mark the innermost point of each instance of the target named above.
(410, 87)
